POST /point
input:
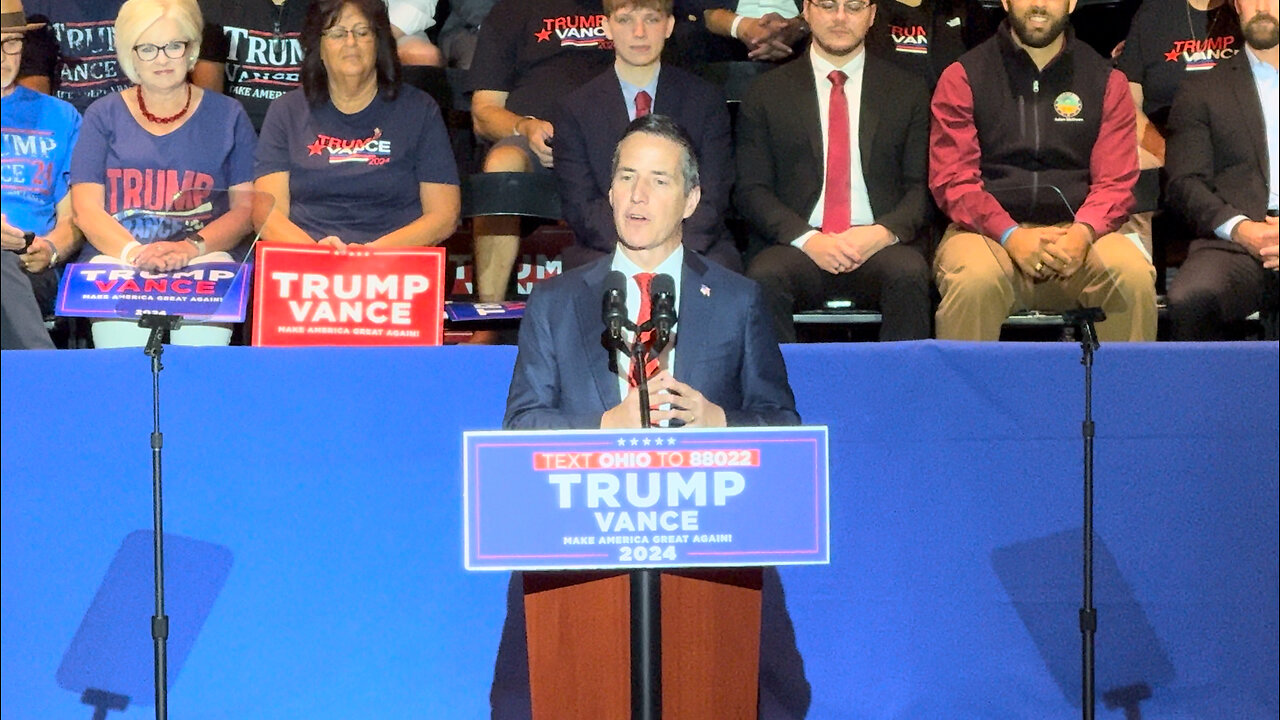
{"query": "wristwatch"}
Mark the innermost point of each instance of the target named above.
(195, 239)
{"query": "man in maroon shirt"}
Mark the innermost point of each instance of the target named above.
(1036, 178)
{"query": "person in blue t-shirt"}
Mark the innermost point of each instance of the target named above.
(38, 134)
(354, 157)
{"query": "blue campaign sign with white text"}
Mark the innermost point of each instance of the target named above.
(216, 291)
(558, 500)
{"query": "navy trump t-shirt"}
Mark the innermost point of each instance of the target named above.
(356, 176)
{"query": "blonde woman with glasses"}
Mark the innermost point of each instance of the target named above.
(142, 147)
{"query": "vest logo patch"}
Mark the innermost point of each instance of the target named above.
(1068, 107)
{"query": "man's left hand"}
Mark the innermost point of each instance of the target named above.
(686, 404)
(1065, 256)
(793, 29)
(770, 51)
(862, 241)
(38, 257)
(1270, 257)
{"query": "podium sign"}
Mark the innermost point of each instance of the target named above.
(560, 500)
(315, 295)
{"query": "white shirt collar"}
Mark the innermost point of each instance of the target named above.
(823, 67)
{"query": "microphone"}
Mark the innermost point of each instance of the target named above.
(614, 310)
(662, 309)
(1082, 319)
(160, 326)
(1075, 316)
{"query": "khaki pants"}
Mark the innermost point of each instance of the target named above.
(981, 286)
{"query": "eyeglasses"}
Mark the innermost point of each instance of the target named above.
(12, 46)
(851, 7)
(172, 50)
(337, 33)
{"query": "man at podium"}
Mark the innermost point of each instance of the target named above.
(722, 367)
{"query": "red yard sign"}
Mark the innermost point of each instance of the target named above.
(314, 295)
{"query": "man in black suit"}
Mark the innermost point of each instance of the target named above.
(592, 118)
(841, 223)
(1222, 159)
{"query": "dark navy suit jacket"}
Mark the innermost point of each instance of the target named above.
(726, 349)
(592, 119)
(564, 378)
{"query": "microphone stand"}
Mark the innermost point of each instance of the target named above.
(161, 326)
(646, 585)
(639, 359)
(1082, 320)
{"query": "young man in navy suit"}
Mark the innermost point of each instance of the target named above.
(590, 120)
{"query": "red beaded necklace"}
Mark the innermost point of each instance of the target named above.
(142, 106)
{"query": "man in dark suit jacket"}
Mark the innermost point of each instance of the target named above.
(724, 366)
(1222, 158)
(592, 118)
(725, 369)
(847, 229)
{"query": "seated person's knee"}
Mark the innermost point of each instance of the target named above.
(507, 158)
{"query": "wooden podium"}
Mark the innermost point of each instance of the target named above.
(584, 514)
(578, 625)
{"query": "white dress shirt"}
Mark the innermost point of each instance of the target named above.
(673, 266)
(859, 201)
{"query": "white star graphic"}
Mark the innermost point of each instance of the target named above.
(671, 441)
(622, 442)
(646, 442)
(657, 441)
(634, 442)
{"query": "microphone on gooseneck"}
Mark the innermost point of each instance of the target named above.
(614, 305)
(663, 310)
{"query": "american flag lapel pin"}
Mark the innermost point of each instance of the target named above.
(706, 291)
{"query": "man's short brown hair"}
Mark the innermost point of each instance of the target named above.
(665, 7)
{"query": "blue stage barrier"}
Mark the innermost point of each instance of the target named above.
(333, 478)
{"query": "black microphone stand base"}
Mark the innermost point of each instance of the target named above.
(103, 701)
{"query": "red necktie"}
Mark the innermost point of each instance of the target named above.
(644, 104)
(835, 208)
(651, 368)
